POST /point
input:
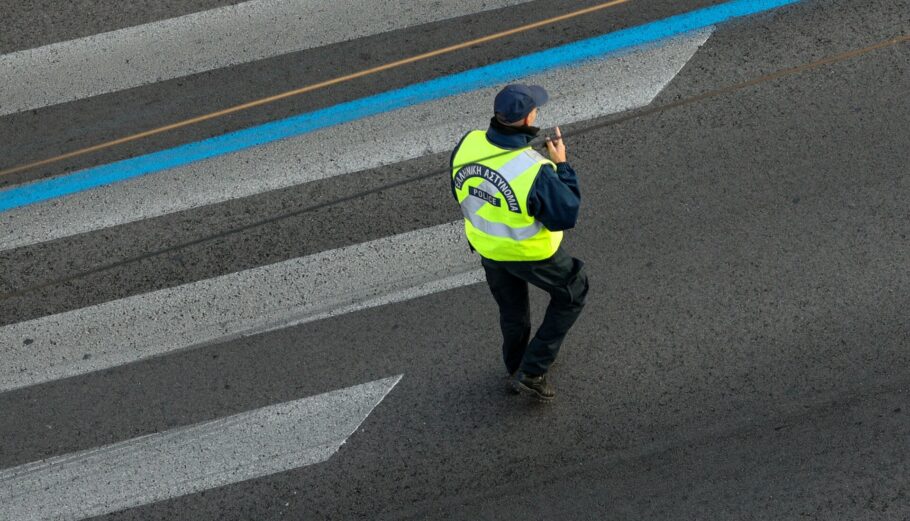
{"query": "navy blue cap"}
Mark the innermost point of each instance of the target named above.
(514, 102)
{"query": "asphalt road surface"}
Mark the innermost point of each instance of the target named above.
(272, 314)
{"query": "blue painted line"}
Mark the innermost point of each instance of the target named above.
(490, 75)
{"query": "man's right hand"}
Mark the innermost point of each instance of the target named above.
(557, 148)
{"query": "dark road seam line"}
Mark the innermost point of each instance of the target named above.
(635, 114)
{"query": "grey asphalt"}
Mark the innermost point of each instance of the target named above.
(744, 354)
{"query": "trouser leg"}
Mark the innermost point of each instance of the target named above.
(565, 279)
(511, 294)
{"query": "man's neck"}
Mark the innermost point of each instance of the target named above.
(513, 129)
(508, 136)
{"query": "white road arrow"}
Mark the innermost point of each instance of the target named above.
(188, 459)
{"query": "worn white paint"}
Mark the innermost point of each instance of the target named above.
(203, 41)
(342, 280)
(189, 459)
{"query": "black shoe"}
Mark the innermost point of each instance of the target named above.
(535, 386)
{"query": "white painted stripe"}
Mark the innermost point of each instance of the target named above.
(290, 319)
(428, 288)
(595, 89)
(167, 49)
(190, 459)
(259, 299)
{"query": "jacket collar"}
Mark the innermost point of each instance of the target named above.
(505, 136)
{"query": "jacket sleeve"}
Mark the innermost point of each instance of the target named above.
(452, 165)
(554, 199)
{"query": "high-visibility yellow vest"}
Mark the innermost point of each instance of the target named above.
(492, 185)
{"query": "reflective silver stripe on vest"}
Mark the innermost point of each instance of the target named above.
(518, 165)
(500, 229)
(471, 205)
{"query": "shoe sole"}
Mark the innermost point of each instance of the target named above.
(527, 391)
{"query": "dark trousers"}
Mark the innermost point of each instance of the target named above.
(564, 278)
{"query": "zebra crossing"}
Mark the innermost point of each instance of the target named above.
(242, 303)
(227, 306)
(628, 82)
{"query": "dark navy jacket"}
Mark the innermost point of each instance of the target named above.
(554, 198)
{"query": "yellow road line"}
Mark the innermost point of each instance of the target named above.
(312, 87)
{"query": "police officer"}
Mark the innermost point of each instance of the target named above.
(516, 203)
